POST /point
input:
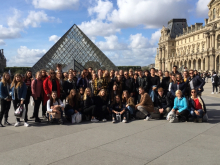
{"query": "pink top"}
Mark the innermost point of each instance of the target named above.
(37, 88)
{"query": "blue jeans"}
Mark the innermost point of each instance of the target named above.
(130, 109)
(196, 116)
(152, 93)
(69, 112)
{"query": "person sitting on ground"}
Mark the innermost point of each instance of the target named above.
(197, 106)
(180, 107)
(80, 98)
(55, 108)
(117, 108)
(102, 104)
(71, 104)
(128, 103)
(90, 108)
(113, 93)
(145, 105)
(162, 104)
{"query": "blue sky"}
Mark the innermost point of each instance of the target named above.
(127, 31)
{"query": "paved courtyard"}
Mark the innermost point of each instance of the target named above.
(139, 142)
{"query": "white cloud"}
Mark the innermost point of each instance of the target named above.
(155, 37)
(2, 42)
(111, 43)
(95, 28)
(138, 41)
(150, 13)
(26, 57)
(102, 8)
(56, 4)
(202, 8)
(35, 18)
(54, 38)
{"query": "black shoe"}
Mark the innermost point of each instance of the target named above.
(32, 117)
(60, 121)
(7, 123)
(1, 125)
(38, 120)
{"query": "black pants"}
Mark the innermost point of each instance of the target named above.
(103, 111)
(44, 109)
(125, 114)
(16, 104)
(90, 110)
(5, 106)
(215, 87)
(37, 106)
(184, 115)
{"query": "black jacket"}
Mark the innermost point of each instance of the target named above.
(165, 84)
(182, 87)
(162, 102)
(198, 82)
(144, 82)
(67, 86)
(99, 102)
(89, 102)
(128, 85)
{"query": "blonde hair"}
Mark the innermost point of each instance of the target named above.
(37, 73)
(104, 97)
(178, 91)
(85, 93)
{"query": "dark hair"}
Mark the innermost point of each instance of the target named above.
(59, 65)
(181, 78)
(174, 66)
(51, 98)
(214, 72)
(52, 71)
(114, 102)
(72, 100)
(141, 88)
(26, 77)
(152, 68)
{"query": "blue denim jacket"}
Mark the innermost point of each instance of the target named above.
(22, 91)
(4, 93)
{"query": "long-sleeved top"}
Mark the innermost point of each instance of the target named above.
(144, 82)
(180, 104)
(165, 84)
(116, 107)
(128, 85)
(37, 88)
(155, 81)
(192, 104)
(56, 103)
(145, 101)
(195, 83)
(21, 92)
(178, 86)
(162, 102)
(68, 86)
(4, 91)
(89, 102)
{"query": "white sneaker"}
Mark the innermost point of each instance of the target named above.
(94, 120)
(17, 124)
(124, 121)
(147, 118)
(212, 93)
(26, 124)
(104, 120)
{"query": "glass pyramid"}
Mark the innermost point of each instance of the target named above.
(74, 49)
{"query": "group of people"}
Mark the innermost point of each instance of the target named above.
(104, 95)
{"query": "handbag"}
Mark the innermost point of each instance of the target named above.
(76, 118)
(19, 111)
(205, 118)
(118, 117)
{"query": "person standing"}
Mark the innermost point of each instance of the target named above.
(18, 93)
(69, 85)
(128, 84)
(155, 84)
(27, 80)
(5, 98)
(165, 82)
(215, 82)
(37, 93)
(44, 106)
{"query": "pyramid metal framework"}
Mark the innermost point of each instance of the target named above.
(76, 49)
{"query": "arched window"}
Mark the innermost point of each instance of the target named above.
(218, 41)
(214, 14)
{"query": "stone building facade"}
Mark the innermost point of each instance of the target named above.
(196, 46)
(2, 60)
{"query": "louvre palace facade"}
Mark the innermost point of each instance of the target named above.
(196, 46)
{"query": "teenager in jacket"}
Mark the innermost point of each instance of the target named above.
(111, 80)
(197, 107)
(44, 106)
(5, 98)
(120, 84)
(215, 82)
(61, 82)
(155, 84)
(83, 80)
(51, 84)
(102, 105)
(37, 94)
(18, 94)
(89, 105)
(69, 85)
(117, 108)
(113, 93)
(143, 81)
(128, 103)
(178, 85)
(145, 104)
(27, 80)
(180, 107)
(162, 104)
(128, 84)
(165, 82)
(136, 87)
(72, 104)
(195, 82)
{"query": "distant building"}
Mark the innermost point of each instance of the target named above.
(151, 66)
(2, 60)
(195, 47)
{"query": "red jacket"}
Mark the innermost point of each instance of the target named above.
(47, 85)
